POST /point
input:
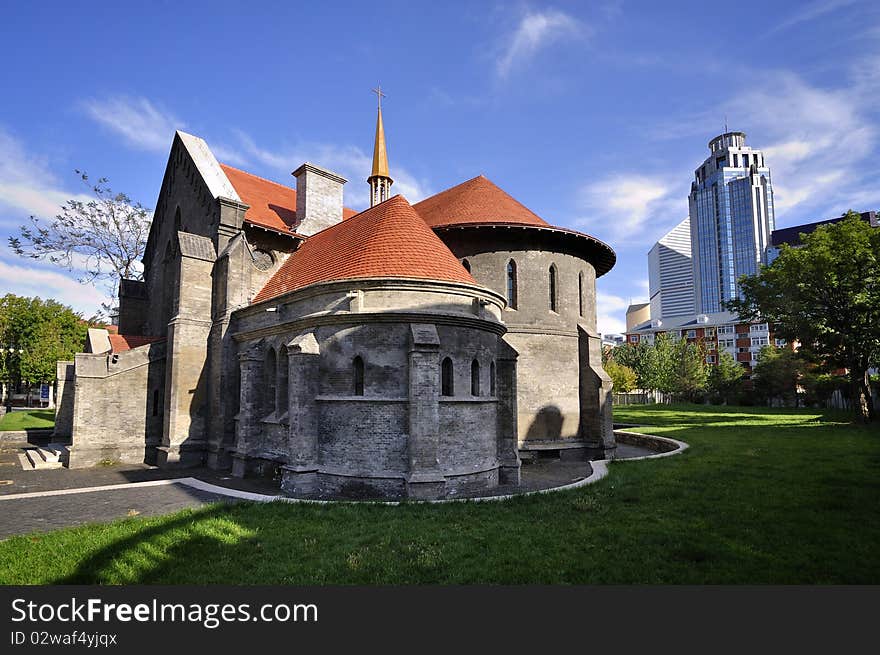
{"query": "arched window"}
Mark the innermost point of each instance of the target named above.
(358, 374)
(580, 294)
(269, 380)
(492, 379)
(447, 387)
(552, 287)
(281, 403)
(475, 378)
(466, 264)
(511, 284)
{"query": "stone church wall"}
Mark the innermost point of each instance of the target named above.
(118, 406)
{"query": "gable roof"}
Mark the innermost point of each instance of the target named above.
(123, 342)
(476, 201)
(387, 240)
(272, 205)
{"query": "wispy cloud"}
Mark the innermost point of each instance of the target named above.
(819, 141)
(535, 31)
(141, 123)
(349, 161)
(31, 279)
(611, 312)
(620, 207)
(27, 185)
(811, 11)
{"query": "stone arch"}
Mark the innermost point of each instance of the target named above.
(281, 397)
(447, 378)
(357, 370)
(553, 288)
(581, 294)
(269, 375)
(512, 285)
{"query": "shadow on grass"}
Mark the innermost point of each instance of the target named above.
(757, 503)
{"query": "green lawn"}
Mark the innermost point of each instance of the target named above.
(762, 496)
(25, 420)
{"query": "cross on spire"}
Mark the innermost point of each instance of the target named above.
(379, 94)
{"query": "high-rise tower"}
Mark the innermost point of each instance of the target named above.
(380, 181)
(671, 273)
(731, 215)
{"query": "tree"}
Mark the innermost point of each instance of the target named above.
(779, 373)
(659, 374)
(689, 372)
(44, 332)
(623, 377)
(826, 295)
(635, 357)
(102, 240)
(726, 375)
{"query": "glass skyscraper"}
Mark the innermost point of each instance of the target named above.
(731, 216)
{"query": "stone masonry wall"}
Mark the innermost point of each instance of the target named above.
(117, 410)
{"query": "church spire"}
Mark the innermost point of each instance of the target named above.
(380, 181)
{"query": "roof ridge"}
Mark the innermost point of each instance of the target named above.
(259, 177)
(359, 214)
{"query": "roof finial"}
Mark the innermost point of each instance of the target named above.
(379, 94)
(380, 180)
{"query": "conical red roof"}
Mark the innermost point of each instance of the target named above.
(388, 240)
(476, 201)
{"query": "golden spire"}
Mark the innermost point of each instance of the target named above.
(380, 181)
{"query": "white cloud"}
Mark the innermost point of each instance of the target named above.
(141, 123)
(27, 186)
(819, 141)
(349, 161)
(610, 313)
(621, 205)
(535, 31)
(24, 278)
(811, 11)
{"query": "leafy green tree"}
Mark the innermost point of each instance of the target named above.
(778, 374)
(689, 371)
(660, 373)
(623, 377)
(726, 376)
(45, 332)
(826, 295)
(635, 357)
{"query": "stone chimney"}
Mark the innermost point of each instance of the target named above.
(318, 198)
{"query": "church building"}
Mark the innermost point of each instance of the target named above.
(408, 350)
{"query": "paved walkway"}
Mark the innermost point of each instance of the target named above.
(43, 500)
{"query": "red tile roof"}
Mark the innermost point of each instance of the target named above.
(272, 205)
(122, 342)
(475, 201)
(388, 240)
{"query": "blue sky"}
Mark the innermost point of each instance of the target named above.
(594, 114)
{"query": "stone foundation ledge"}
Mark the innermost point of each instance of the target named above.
(600, 470)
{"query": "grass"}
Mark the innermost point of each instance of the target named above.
(762, 496)
(29, 419)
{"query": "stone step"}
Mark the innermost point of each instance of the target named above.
(41, 458)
